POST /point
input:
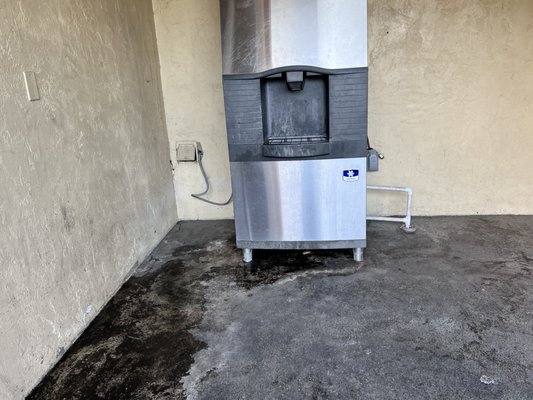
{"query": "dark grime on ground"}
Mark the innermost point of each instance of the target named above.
(444, 313)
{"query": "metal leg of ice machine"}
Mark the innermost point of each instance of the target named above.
(295, 93)
(247, 255)
(358, 254)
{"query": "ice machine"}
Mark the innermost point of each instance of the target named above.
(295, 81)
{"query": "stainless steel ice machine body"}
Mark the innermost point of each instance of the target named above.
(295, 93)
(262, 35)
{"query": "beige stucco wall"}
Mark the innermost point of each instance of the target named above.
(450, 102)
(86, 188)
(188, 38)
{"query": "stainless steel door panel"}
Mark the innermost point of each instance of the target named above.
(307, 200)
(259, 35)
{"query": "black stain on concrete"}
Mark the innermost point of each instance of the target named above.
(139, 346)
(477, 270)
(269, 266)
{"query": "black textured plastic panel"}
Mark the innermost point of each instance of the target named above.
(348, 113)
(348, 106)
(244, 117)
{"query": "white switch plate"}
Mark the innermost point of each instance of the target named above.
(32, 90)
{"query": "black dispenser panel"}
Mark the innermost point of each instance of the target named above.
(297, 114)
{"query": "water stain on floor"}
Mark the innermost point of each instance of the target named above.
(441, 309)
(140, 344)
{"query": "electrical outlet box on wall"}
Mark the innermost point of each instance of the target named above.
(187, 151)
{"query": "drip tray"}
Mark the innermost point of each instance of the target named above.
(296, 149)
(297, 140)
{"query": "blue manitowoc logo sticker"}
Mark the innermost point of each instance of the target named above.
(350, 175)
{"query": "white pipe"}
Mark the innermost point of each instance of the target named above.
(407, 219)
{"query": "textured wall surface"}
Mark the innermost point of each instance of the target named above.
(450, 102)
(188, 38)
(86, 182)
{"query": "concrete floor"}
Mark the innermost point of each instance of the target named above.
(445, 313)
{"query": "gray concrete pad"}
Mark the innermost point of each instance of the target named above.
(445, 313)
